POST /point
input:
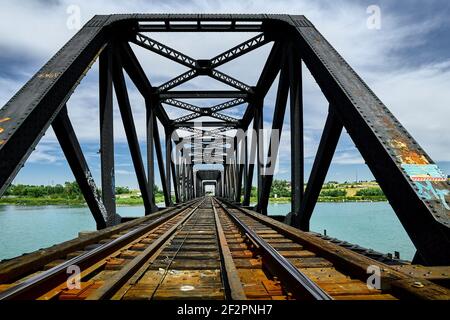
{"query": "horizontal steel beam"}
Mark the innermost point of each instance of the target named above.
(199, 27)
(211, 124)
(213, 94)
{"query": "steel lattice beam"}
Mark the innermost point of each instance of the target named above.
(222, 77)
(239, 50)
(175, 82)
(163, 50)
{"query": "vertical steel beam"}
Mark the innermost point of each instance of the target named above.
(188, 181)
(175, 180)
(183, 175)
(107, 135)
(227, 180)
(185, 189)
(297, 139)
(178, 175)
(241, 165)
(159, 157)
(259, 119)
(130, 131)
(169, 165)
(219, 186)
(225, 177)
(233, 178)
(196, 188)
(251, 166)
(278, 119)
(230, 181)
(245, 167)
(191, 180)
(150, 153)
(327, 147)
(72, 150)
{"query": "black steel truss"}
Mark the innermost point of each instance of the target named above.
(394, 157)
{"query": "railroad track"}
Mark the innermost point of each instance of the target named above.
(209, 249)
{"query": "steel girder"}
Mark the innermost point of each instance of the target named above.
(72, 150)
(394, 157)
(107, 134)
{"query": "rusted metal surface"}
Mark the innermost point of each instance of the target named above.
(200, 252)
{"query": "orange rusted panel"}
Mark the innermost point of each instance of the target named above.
(406, 155)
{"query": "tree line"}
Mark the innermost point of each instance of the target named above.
(280, 189)
(67, 190)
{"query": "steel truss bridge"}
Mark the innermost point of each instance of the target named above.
(417, 190)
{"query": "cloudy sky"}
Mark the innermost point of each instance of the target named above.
(406, 62)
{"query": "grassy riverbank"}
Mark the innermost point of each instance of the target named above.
(48, 201)
(138, 201)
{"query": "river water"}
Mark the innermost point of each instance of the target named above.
(372, 225)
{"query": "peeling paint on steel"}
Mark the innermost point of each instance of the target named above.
(406, 155)
(93, 187)
(48, 75)
(2, 120)
(424, 172)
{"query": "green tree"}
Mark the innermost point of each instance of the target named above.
(333, 193)
(281, 188)
(122, 190)
(370, 192)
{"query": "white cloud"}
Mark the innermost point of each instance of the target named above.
(46, 153)
(124, 172)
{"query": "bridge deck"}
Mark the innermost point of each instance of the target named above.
(209, 249)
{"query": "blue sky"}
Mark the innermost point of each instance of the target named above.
(406, 63)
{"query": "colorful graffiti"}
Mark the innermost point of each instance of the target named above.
(424, 172)
(428, 192)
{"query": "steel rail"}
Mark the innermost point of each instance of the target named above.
(300, 284)
(33, 287)
(230, 277)
(119, 279)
